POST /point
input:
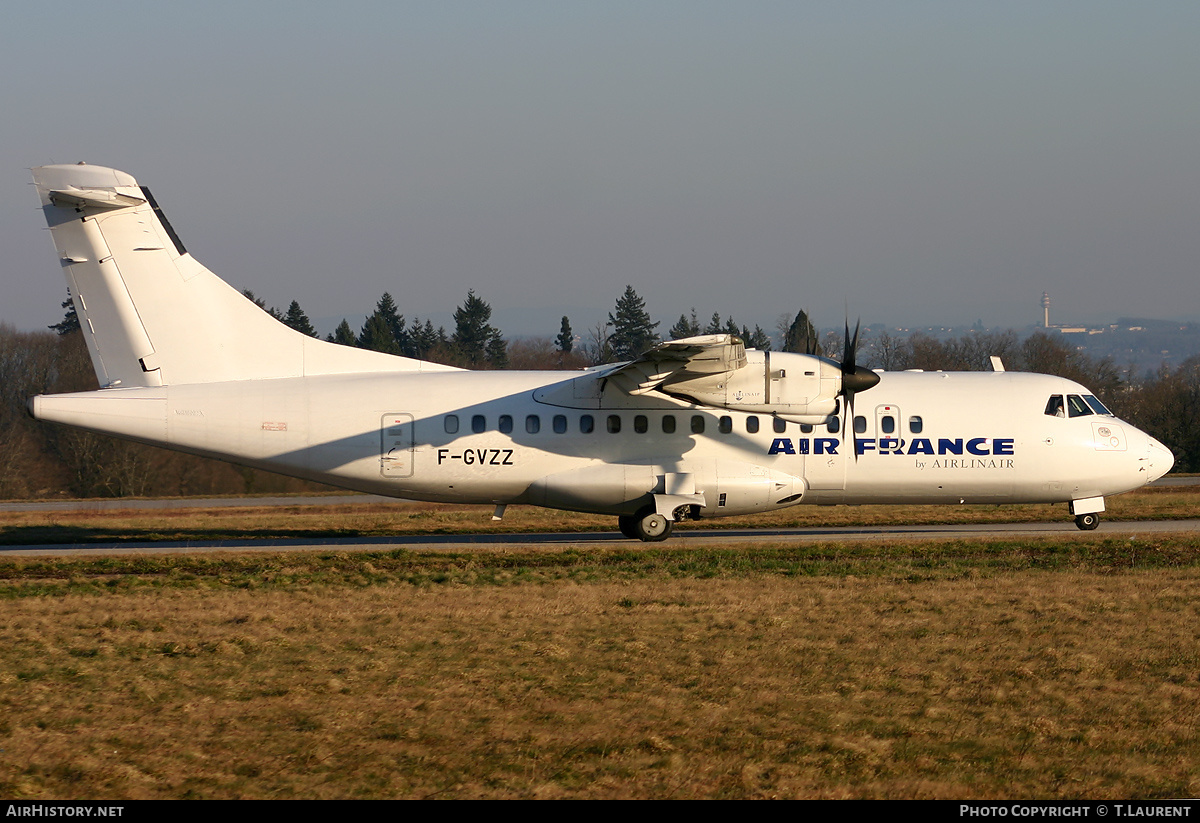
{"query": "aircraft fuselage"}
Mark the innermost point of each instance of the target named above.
(486, 437)
(698, 427)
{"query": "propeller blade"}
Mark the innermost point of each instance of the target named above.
(850, 425)
(855, 378)
(850, 347)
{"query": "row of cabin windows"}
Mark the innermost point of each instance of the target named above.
(613, 422)
(887, 424)
(641, 424)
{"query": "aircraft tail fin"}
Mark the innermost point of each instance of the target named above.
(151, 314)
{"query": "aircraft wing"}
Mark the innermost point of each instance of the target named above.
(678, 360)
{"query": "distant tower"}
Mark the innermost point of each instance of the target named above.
(1045, 309)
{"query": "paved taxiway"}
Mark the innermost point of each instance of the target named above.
(120, 504)
(563, 540)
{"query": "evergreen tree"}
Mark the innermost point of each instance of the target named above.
(295, 318)
(497, 352)
(262, 304)
(566, 340)
(714, 325)
(425, 340)
(384, 330)
(475, 340)
(801, 336)
(343, 335)
(70, 321)
(377, 335)
(632, 333)
(758, 339)
(685, 327)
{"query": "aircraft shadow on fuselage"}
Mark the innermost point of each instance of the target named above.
(626, 446)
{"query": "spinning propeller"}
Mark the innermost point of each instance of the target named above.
(855, 378)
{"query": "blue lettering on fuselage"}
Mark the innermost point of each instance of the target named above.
(896, 445)
(819, 445)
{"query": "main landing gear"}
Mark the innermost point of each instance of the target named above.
(647, 525)
(1087, 522)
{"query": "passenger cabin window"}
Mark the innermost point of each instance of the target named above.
(614, 423)
(888, 424)
(533, 424)
(752, 425)
(725, 424)
(505, 424)
(478, 423)
(668, 424)
(806, 428)
(451, 424)
(587, 424)
(560, 424)
(860, 424)
(834, 425)
(1054, 406)
(779, 425)
(640, 424)
(697, 424)
(916, 425)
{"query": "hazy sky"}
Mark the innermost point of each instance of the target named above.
(919, 162)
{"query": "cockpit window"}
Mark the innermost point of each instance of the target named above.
(1097, 406)
(1077, 407)
(1054, 406)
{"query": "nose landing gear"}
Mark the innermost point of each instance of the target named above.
(1087, 512)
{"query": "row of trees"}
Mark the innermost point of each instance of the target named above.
(41, 460)
(476, 344)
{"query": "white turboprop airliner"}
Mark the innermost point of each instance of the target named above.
(694, 428)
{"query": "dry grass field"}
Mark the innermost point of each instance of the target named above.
(948, 669)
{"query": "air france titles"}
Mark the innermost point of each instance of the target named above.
(976, 452)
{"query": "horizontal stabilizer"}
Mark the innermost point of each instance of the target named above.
(72, 198)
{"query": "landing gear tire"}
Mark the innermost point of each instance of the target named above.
(650, 526)
(627, 523)
(1087, 522)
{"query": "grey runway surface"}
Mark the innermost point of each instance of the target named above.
(294, 500)
(483, 542)
(120, 504)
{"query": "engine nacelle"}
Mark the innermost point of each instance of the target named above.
(802, 388)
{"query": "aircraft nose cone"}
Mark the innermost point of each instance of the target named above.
(1159, 459)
